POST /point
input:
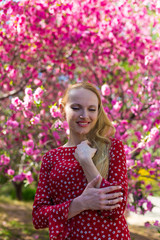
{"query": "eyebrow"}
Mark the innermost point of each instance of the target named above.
(81, 105)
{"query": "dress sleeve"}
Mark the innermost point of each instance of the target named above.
(117, 177)
(44, 213)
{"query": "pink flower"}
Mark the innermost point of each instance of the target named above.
(30, 143)
(134, 109)
(156, 223)
(157, 161)
(149, 187)
(38, 94)
(10, 172)
(16, 102)
(35, 120)
(4, 160)
(154, 133)
(29, 151)
(130, 163)
(37, 82)
(28, 99)
(29, 177)
(13, 124)
(28, 91)
(117, 106)
(149, 206)
(55, 135)
(55, 112)
(28, 114)
(129, 92)
(105, 89)
(147, 158)
(147, 224)
(58, 124)
(148, 58)
(19, 177)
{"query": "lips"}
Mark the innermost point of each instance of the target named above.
(83, 124)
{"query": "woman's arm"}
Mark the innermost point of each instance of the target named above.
(44, 213)
(113, 201)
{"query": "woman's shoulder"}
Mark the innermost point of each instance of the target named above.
(116, 142)
(49, 156)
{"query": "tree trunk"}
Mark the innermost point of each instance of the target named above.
(18, 188)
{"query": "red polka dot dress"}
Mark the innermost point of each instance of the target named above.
(61, 180)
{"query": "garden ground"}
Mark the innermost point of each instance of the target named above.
(16, 224)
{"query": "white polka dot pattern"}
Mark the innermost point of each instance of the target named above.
(61, 180)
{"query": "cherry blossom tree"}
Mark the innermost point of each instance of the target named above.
(46, 45)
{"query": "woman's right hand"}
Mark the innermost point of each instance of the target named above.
(101, 198)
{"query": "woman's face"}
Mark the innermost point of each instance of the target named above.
(81, 111)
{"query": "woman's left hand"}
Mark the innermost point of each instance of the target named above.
(84, 152)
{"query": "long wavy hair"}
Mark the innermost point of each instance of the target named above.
(99, 136)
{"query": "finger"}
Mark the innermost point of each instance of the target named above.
(110, 189)
(111, 207)
(113, 195)
(94, 182)
(113, 201)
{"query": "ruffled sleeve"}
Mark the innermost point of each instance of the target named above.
(117, 176)
(44, 213)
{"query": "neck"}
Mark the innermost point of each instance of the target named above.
(75, 141)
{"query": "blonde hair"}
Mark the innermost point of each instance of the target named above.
(100, 134)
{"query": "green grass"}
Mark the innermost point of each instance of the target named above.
(16, 221)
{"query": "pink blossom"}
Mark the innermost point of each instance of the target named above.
(10, 172)
(130, 163)
(65, 125)
(58, 124)
(156, 223)
(149, 187)
(117, 106)
(38, 82)
(147, 224)
(13, 124)
(154, 133)
(4, 160)
(55, 135)
(55, 112)
(30, 143)
(105, 89)
(157, 161)
(35, 120)
(149, 206)
(129, 92)
(148, 58)
(147, 158)
(29, 151)
(29, 177)
(138, 134)
(16, 102)
(28, 114)
(38, 94)
(28, 99)
(134, 109)
(19, 177)
(28, 91)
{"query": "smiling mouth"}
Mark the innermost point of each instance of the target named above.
(83, 124)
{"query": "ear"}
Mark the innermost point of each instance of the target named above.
(62, 109)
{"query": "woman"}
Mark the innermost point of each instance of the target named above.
(82, 190)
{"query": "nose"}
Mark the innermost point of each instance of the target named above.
(84, 114)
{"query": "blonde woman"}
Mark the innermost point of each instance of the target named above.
(82, 190)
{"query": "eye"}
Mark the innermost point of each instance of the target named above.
(75, 108)
(92, 109)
